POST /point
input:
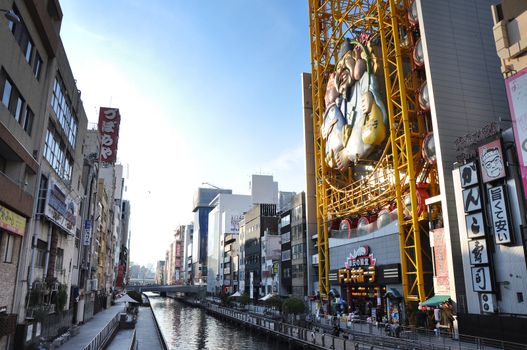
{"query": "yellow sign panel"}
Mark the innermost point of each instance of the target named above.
(12, 222)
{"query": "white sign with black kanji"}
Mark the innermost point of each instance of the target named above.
(471, 199)
(477, 249)
(468, 174)
(475, 225)
(481, 279)
(499, 214)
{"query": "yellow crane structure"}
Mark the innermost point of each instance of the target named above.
(393, 177)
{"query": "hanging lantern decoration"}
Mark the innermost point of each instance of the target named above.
(428, 148)
(424, 97)
(418, 55)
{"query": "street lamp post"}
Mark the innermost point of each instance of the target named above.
(211, 185)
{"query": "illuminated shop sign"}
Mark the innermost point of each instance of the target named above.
(360, 267)
(358, 275)
(360, 257)
(109, 121)
(499, 214)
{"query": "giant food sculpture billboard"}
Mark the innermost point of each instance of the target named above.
(355, 123)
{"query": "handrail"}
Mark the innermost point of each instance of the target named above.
(365, 334)
(104, 335)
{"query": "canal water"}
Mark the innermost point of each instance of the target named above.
(188, 328)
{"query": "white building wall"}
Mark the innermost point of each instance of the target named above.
(226, 205)
(264, 190)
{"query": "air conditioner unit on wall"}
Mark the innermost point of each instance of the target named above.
(488, 302)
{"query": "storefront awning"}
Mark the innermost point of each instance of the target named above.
(393, 294)
(435, 300)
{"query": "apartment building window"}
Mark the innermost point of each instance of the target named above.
(19, 103)
(7, 87)
(22, 37)
(62, 107)
(59, 259)
(42, 194)
(28, 121)
(8, 242)
(37, 65)
(41, 253)
(285, 220)
(298, 251)
(15, 103)
(57, 156)
(286, 255)
(286, 237)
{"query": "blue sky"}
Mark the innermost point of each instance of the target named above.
(209, 91)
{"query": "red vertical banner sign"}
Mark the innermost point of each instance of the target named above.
(440, 262)
(109, 121)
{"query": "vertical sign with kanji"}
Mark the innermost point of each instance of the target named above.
(499, 214)
(109, 121)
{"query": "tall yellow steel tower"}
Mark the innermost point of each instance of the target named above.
(397, 172)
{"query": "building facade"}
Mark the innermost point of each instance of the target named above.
(201, 209)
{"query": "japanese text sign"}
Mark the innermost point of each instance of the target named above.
(109, 121)
(499, 214)
(478, 251)
(475, 225)
(481, 279)
(469, 174)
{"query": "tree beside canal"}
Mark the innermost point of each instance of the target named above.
(294, 306)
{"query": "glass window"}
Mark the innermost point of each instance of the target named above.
(37, 65)
(28, 121)
(9, 248)
(29, 51)
(56, 154)
(18, 108)
(286, 237)
(284, 221)
(59, 260)
(6, 95)
(286, 255)
(63, 111)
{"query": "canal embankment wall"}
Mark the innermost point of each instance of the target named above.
(160, 335)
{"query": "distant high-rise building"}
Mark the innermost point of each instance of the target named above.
(201, 209)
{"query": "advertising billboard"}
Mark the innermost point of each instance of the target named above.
(517, 94)
(61, 208)
(109, 121)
